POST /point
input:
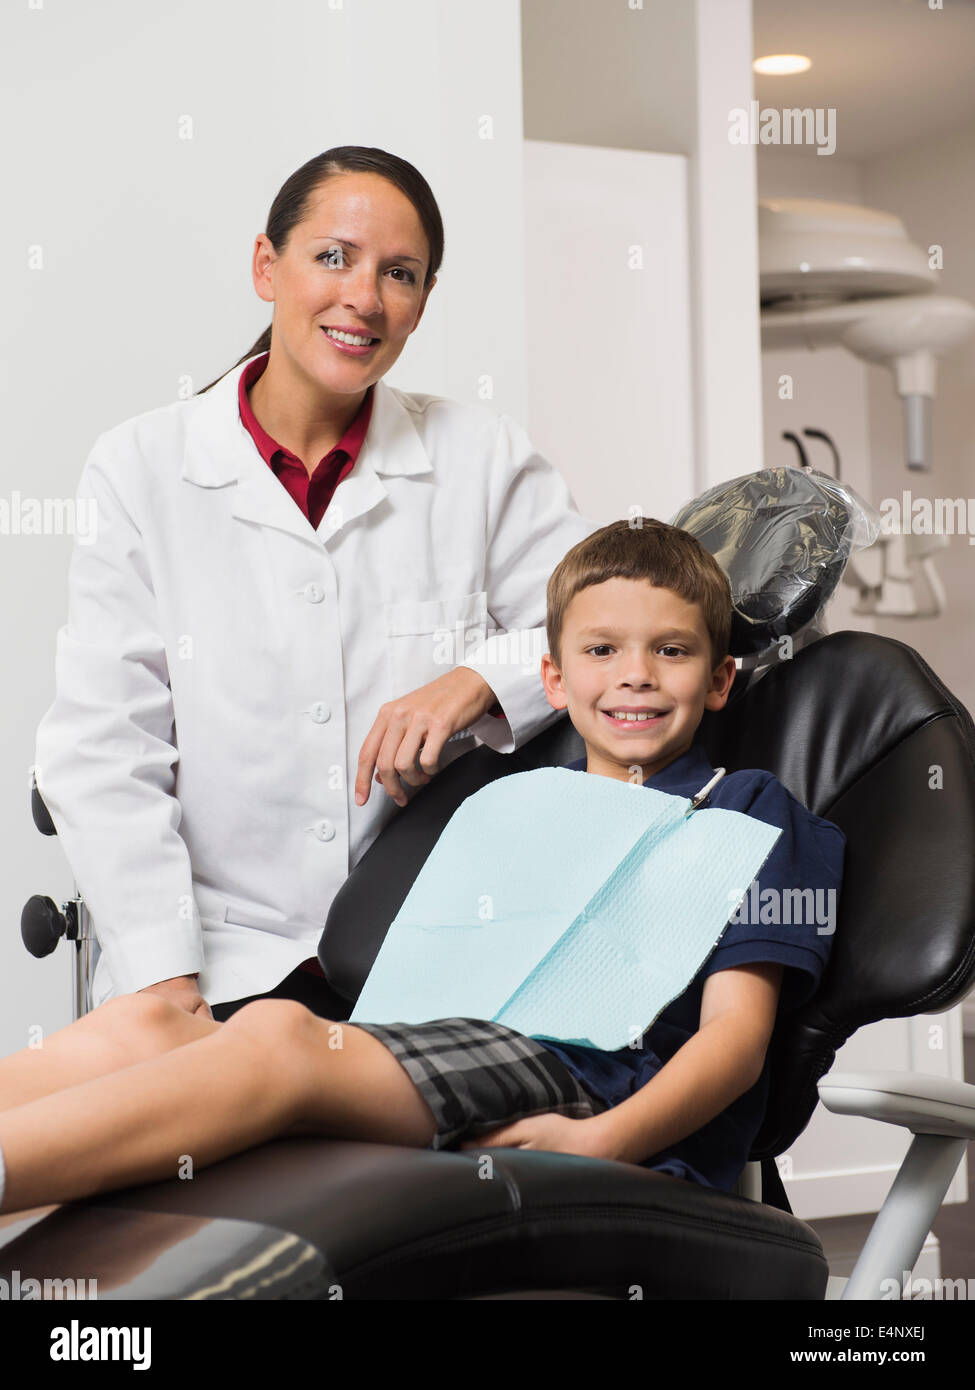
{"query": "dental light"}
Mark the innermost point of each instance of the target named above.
(839, 274)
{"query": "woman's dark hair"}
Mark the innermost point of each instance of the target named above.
(295, 193)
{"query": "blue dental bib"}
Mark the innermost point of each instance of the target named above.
(568, 907)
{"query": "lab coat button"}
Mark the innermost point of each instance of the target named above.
(314, 593)
(320, 712)
(325, 830)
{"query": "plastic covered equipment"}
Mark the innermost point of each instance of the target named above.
(783, 537)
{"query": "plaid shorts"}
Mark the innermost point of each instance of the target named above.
(476, 1075)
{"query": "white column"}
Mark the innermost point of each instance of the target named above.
(724, 251)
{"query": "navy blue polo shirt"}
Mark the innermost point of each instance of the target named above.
(767, 927)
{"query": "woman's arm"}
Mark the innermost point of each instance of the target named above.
(531, 523)
(105, 754)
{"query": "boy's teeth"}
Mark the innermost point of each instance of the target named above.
(351, 338)
(621, 714)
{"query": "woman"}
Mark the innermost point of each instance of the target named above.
(290, 590)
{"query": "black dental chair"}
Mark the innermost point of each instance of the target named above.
(853, 725)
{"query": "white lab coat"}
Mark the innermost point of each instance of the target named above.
(223, 662)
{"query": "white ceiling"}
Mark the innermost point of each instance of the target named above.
(895, 71)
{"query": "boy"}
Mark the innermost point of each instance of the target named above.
(701, 1071)
(638, 623)
(638, 626)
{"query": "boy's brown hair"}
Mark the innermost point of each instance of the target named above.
(644, 549)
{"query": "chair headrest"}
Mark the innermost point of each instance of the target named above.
(783, 537)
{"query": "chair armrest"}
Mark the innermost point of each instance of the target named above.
(941, 1114)
(920, 1101)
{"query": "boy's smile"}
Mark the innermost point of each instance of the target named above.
(630, 649)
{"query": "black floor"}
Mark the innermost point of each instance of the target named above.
(843, 1236)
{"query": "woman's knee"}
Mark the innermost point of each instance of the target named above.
(146, 1022)
(130, 1028)
(136, 1009)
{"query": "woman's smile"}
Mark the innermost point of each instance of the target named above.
(356, 348)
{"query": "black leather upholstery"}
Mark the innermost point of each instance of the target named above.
(398, 1223)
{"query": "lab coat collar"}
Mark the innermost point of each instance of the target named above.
(220, 450)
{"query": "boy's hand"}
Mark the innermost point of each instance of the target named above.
(551, 1132)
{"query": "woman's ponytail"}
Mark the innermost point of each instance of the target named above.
(263, 344)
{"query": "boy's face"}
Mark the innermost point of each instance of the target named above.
(627, 645)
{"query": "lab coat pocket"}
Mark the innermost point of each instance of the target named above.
(427, 637)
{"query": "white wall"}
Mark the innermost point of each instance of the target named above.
(613, 75)
(931, 186)
(724, 264)
(609, 325)
(147, 240)
(662, 78)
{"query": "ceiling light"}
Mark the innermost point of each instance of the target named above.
(782, 64)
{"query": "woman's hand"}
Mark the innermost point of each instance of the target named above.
(423, 719)
(554, 1133)
(181, 990)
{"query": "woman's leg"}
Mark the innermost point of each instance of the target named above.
(130, 1028)
(272, 1069)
